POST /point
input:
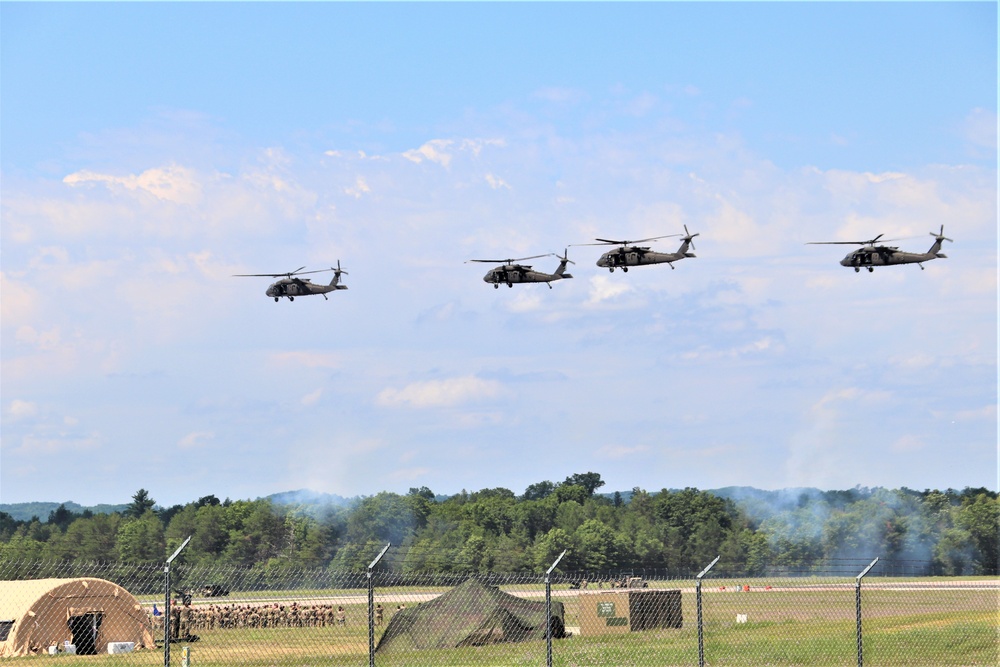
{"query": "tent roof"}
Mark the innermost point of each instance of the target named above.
(469, 614)
(16, 597)
(40, 608)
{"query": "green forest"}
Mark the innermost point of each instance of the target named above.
(676, 532)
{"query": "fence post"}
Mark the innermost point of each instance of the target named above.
(548, 610)
(857, 599)
(166, 603)
(371, 606)
(697, 590)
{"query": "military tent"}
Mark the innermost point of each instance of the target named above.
(86, 612)
(471, 614)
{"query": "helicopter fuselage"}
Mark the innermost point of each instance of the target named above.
(635, 256)
(511, 274)
(293, 287)
(872, 256)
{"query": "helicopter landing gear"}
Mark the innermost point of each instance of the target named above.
(496, 285)
(625, 269)
(871, 270)
(276, 299)
(857, 269)
(510, 284)
(291, 298)
(611, 269)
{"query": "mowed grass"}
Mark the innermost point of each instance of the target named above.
(922, 628)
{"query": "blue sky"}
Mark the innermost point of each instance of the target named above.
(150, 151)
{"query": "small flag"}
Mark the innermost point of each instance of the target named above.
(157, 612)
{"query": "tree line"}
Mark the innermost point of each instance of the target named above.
(677, 532)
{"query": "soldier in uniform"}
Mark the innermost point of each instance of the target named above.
(175, 621)
(341, 616)
(184, 628)
(378, 614)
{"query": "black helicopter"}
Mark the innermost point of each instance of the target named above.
(870, 255)
(511, 273)
(292, 286)
(633, 255)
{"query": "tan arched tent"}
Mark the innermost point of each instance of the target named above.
(86, 612)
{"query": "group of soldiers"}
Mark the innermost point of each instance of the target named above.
(624, 582)
(186, 620)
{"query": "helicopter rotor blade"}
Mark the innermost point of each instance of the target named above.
(509, 260)
(869, 242)
(288, 274)
(625, 243)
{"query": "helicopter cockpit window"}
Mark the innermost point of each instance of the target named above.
(5, 628)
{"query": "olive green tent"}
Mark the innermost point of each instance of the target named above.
(471, 614)
(86, 612)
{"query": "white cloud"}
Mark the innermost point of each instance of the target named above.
(197, 439)
(525, 301)
(441, 393)
(57, 443)
(359, 189)
(829, 438)
(496, 182)
(756, 347)
(312, 398)
(18, 302)
(432, 151)
(20, 409)
(603, 289)
(172, 183)
(730, 224)
(916, 361)
(849, 395)
(987, 412)
(476, 146)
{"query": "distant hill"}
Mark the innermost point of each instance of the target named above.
(24, 511)
(302, 497)
(757, 502)
(307, 497)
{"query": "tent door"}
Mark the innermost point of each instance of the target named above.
(84, 629)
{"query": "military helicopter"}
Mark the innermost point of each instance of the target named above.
(632, 255)
(292, 286)
(871, 255)
(511, 273)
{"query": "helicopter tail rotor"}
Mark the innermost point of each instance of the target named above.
(563, 260)
(689, 237)
(940, 235)
(337, 272)
(936, 248)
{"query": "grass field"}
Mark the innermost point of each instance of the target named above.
(806, 624)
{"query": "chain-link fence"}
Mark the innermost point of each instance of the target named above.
(270, 615)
